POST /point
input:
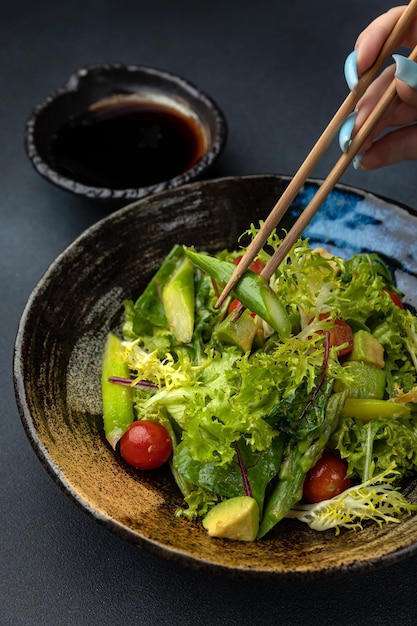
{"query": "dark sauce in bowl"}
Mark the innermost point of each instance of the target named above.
(124, 143)
(122, 132)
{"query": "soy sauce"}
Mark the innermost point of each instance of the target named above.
(125, 143)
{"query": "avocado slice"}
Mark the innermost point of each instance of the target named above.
(367, 349)
(236, 518)
(369, 381)
(240, 333)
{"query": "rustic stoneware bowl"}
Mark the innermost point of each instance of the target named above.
(124, 84)
(59, 347)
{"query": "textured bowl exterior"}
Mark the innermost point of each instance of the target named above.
(58, 353)
(92, 83)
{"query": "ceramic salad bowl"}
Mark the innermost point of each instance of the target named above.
(59, 348)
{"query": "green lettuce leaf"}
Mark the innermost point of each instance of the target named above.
(297, 415)
(227, 481)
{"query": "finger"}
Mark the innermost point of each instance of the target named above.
(368, 102)
(373, 95)
(398, 115)
(401, 116)
(406, 84)
(407, 94)
(399, 145)
(398, 112)
(372, 38)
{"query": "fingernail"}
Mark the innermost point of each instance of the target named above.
(345, 132)
(351, 71)
(406, 70)
(357, 161)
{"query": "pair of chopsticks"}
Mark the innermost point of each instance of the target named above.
(282, 205)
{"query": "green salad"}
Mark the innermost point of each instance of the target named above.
(297, 397)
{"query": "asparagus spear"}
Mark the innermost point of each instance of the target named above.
(117, 399)
(179, 301)
(299, 458)
(252, 290)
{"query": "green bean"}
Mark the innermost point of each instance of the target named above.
(252, 290)
(368, 409)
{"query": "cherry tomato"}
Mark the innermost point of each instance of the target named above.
(235, 304)
(395, 298)
(256, 266)
(146, 445)
(326, 479)
(340, 333)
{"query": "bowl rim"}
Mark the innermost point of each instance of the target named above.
(74, 84)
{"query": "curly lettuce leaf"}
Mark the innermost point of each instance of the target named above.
(373, 500)
(397, 333)
(361, 296)
(306, 281)
(377, 444)
(227, 394)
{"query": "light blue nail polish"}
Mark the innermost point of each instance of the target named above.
(406, 70)
(357, 161)
(351, 71)
(345, 132)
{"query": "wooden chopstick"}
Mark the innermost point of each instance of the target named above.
(289, 194)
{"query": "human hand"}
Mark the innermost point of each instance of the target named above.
(395, 137)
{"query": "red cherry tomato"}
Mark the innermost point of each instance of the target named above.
(340, 333)
(326, 479)
(395, 298)
(235, 304)
(146, 445)
(256, 266)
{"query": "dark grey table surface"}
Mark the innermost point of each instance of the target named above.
(276, 70)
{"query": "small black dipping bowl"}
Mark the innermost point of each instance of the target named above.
(124, 132)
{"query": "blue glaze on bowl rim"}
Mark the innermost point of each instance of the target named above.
(349, 222)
